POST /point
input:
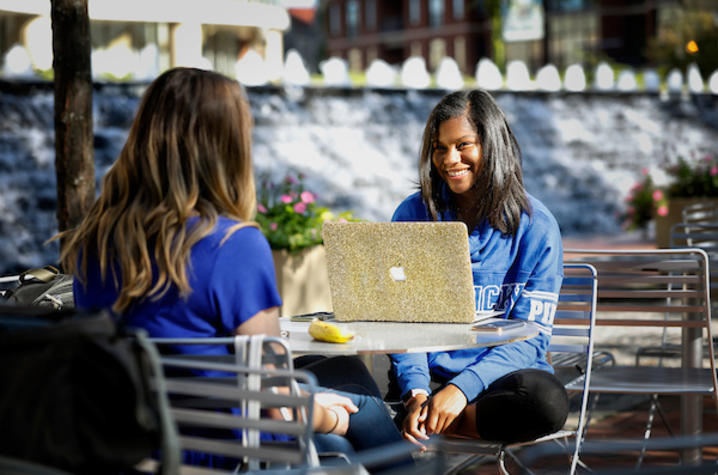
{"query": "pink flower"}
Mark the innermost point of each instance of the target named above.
(285, 199)
(307, 197)
(342, 220)
(300, 208)
(714, 170)
(644, 171)
(657, 195)
(261, 208)
(662, 210)
(273, 226)
(290, 179)
(637, 187)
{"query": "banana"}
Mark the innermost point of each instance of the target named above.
(325, 331)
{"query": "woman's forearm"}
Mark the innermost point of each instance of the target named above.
(325, 419)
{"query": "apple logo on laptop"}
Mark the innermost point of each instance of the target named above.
(397, 274)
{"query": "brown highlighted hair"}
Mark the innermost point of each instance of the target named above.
(188, 154)
(500, 191)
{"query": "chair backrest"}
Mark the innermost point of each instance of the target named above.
(223, 397)
(666, 288)
(702, 212)
(703, 236)
(573, 333)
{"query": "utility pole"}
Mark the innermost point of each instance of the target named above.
(74, 155)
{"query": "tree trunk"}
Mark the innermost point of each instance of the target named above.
(74, 157)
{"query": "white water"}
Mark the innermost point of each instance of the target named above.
(359, 148)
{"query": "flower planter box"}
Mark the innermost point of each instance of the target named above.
(675, 215)
(302, 281)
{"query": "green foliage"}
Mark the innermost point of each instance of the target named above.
(687, 179)
(699, 179)
(289, 216)
(642, 202)
(46, 74)
(669, 49)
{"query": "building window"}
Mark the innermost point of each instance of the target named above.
(335, 19)
(437, 52)
(414, 12)
(457, 7)
(355, 63)
(352, 17)
(436, 12)
(372, 53)
(460, 52)
(370, 15)
(416, 49)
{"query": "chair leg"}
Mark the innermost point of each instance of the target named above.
(647, 432)
(664, 418)
(470, 460)
(589, 413)
(502, 463)
(655, 407)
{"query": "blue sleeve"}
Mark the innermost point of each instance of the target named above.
(411, 209)
(541, 254)
(412, 371)
(243, 281)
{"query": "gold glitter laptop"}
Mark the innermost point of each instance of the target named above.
(400, 271)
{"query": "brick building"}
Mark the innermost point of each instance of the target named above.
(363, 30)
(563, 31)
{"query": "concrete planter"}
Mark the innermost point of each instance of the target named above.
(675, 215)
(302, 281)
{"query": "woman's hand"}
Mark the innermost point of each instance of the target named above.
(444, 407)
(413, 428)
(334, 410)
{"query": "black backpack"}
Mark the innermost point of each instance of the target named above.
(45, 287)
(76, 392)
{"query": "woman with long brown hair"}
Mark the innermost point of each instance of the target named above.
(169, 245)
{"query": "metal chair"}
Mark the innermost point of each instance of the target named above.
(666, 288)
(571, 347)
(704, 212)
(689, 235)
(703, 235)
(609, 448)
(220, 395)
(228, 384)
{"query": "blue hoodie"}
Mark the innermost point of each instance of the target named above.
(521, 274)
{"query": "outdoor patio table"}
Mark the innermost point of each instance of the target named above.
(401, 337)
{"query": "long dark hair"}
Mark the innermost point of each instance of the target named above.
(500, 191)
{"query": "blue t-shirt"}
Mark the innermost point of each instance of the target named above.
(230, 282)
(520, 274)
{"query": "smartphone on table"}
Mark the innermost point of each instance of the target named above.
(498, 326)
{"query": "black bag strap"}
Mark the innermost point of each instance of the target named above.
(43, 274)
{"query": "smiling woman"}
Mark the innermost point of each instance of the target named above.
(457, 157)
(470, 171)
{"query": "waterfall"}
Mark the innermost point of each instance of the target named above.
(582, 151)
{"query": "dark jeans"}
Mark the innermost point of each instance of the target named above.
(372, 426)
(520, 406)
(343, 373)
